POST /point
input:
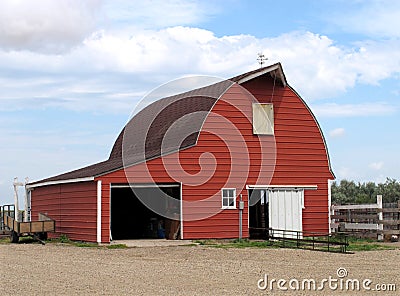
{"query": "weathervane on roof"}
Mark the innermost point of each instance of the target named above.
(261, 59)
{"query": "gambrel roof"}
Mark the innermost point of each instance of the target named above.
(143, 137)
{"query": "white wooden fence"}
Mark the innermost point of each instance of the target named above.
(366, 218)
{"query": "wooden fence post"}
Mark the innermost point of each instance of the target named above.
(398, 214)
(380, 217)
(332, 228)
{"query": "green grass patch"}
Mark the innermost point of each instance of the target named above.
(117, 246)
(237, 243)
(27, 240)
(367, 246)
(189, 245)
(64, 239)
(357, 240)
(4, 240)
(355, 244)
(22, 240)
(84, 245)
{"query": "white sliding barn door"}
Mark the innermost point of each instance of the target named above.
(286, 211)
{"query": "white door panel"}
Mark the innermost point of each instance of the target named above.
(285, 210)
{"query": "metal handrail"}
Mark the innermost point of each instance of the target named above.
(317, 240)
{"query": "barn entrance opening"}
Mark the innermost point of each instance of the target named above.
(132, 219)
(275, 208)
(258, 213)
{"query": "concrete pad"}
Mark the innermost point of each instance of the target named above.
(140, 243)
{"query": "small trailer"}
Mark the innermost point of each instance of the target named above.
(36, 229)
(5, 210)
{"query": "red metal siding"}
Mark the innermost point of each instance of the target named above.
(301, 153)
(72, 205)
(300, 159)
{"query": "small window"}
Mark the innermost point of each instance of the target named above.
(229, 198)
(263, 119)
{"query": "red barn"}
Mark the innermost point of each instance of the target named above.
(182, 166)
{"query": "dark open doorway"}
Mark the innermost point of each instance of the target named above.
(258, 214)
(131, 219)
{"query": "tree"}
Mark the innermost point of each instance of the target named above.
(349, 192)
(390, 190)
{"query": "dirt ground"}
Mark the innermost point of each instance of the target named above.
(57, 269)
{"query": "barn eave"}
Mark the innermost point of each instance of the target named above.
(57, 182)
(275, 70)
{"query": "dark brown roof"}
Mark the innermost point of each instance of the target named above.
(165, 126)
(144, 134)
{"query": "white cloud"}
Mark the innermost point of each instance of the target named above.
(375, 60)
(374, 18)
(337, 132)
(376, 165)
(314, 65)
(352, 110)
(318, 68)
(46, 25)
(55, 27)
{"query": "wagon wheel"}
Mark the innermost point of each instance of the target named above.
(14, 238)
(42, 236)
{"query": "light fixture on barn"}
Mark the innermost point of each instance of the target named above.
(261, 59)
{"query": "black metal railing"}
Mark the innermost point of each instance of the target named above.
(328, 242)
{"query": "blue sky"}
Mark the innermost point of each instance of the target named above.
(72, 72)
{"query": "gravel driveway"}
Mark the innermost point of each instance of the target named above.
(57, 269)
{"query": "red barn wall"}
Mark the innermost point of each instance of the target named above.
(72, 205)
(222, 223)
(301, 159)
(301, 153)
